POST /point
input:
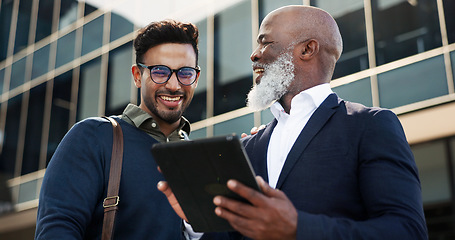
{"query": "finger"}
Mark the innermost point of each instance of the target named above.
(253, 196)
(261, 127)
(163, 186)
(230, 216)
(243, 135)
(236, 207)
(267, 190)
(159, 169)
(254, 130)
(240, 223)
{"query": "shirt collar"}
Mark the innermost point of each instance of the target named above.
(142, 120)
(316, 95)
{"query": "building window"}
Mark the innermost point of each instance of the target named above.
(358, 91)
(5, 25)
(44, 23)
(65, 49)
(33, 133)
(10, 137)
(233, 47)
(40, 61)
(403, 28)
(435, 161)
(197, 110)
(23, 25)
(413, 83)
(266, 6)
(89, 89)
(68, 13)
(18, 73)
(200, 133)
(119, 79)
(350, 17)
(2, 80)
(238, 126)
(92, 37)
(120, 26)
(60, 111)
(449, 9)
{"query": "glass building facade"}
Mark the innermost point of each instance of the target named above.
(65, 60)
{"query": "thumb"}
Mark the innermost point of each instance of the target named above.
(266, 189)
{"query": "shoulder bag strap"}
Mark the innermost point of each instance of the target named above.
(110, 203)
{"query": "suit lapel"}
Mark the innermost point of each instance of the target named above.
(262, 143)
(314, 125)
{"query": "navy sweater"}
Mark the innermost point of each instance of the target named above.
(75, 185)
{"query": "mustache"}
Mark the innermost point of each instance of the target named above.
(176, 93)
(259, 65)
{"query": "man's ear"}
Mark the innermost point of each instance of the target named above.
(308, 49)
(137, 75)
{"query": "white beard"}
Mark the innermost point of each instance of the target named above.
(274, 83)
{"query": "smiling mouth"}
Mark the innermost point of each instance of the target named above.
(171, 99)
(259, 70)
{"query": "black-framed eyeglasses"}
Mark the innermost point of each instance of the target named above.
(161, 74)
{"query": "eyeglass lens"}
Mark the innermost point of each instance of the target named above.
(161, 74)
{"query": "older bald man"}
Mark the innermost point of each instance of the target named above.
(329, 169)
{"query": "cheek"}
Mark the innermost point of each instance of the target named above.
(190, 92)
(149, 88)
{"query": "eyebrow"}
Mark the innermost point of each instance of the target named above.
(260, 38)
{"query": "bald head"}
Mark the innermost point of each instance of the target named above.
(303, 22)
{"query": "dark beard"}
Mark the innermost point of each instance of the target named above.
(167, 116)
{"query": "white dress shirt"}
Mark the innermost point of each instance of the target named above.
(290, 125)
(285, 134)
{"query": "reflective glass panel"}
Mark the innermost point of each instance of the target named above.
(6, 204)
(92, 37)
(18, 73)
(233, 47)
(88, 9)
(10, 137)
(60, 111)
(200, 133)
(44, 23)
(350, 18)
(452, 57)
(266, 6)
(403, 28)
(28, 191)
(33, 130)
(358, 91)
(120, 26)
(119, 79)
(266, 116)
(238, 126)
(449, 10)
(65, 49)
(431, 160)
(197, 110)
(413, 83)
(5, 24)
(40, 61)
(2, 79)
(68, 13)
(23, 25)
(89, 89)
(452, 149)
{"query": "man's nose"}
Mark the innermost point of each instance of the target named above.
(255, 55)
(173, 84)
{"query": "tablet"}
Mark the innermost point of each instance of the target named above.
(197, 171)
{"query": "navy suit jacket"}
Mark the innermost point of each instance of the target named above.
(350, 175)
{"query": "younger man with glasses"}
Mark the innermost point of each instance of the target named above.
(75, 183)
